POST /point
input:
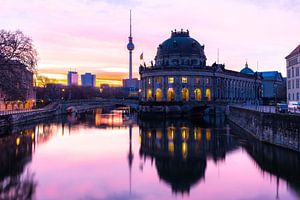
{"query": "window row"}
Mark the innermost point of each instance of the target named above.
(294, 96)
(158, 95)
(294, 72)
(291, 84)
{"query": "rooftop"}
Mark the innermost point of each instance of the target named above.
(294, 52)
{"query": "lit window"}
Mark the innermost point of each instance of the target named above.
(171, 80)
(184, 79)
(149, 81)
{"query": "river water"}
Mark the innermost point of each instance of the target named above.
(116, 156)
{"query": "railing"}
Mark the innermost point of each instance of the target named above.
(12, 112)
(259, 108)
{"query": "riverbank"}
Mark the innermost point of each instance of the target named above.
(275, 128)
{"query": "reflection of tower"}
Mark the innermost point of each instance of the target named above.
(130, 155)
(130, 47)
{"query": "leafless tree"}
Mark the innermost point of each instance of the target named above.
(15, 46)
(18, 60)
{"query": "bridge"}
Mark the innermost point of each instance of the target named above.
(61, 107)
(172, 108)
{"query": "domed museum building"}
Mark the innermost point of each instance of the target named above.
(179, 77)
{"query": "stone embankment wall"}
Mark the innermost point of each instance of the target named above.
(274, 128)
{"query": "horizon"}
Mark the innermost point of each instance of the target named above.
(88, 36)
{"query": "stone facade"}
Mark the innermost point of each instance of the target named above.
(180, 74)
(278, 129)
(293, 75)
(7, 101)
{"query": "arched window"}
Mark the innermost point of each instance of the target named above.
(208, 94)
(149, 94)
(158, 94)
(185, 94)
(171, 95)
(198, 95)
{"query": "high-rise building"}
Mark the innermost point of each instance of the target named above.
(293, 75)
(72, 78)
(88, 79)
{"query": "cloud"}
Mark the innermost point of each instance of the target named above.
(93, 34)
(291, 5)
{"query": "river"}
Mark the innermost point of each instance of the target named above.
(115, 156)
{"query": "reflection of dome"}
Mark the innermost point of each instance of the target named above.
(180, 174)
(181, 47)
(247, 70)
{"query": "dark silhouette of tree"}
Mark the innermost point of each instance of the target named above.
(18, 60)
(15, 46)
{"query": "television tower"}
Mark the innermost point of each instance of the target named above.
(130, 47)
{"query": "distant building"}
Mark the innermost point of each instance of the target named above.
(133, 83)
(88, 79)
(72, 78)
(8, 98)
(293, 75)
(113, 92)
(273, 85)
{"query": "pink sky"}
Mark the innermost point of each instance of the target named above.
(91, 35)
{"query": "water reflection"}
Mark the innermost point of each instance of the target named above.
(105, 154)
(181, 150)
(278, 163)
(16, 151)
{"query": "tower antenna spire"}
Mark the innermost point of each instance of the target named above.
(218, 56)
(130, 23)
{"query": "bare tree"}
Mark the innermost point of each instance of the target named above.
(15, 46)
(18, 60)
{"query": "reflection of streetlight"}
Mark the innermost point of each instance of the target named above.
(18, 140)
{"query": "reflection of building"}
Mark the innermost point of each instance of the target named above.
(72, 78)
(180, 74)
(181, 150)
(16, 152)
(115, 118)
(276, 161)
(293, 75)
(88, 79)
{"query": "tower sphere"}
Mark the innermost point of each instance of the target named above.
(130, 46)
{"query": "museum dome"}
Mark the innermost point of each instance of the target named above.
(180, 45)
(247, 70)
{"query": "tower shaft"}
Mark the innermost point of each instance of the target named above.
(130, 47)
